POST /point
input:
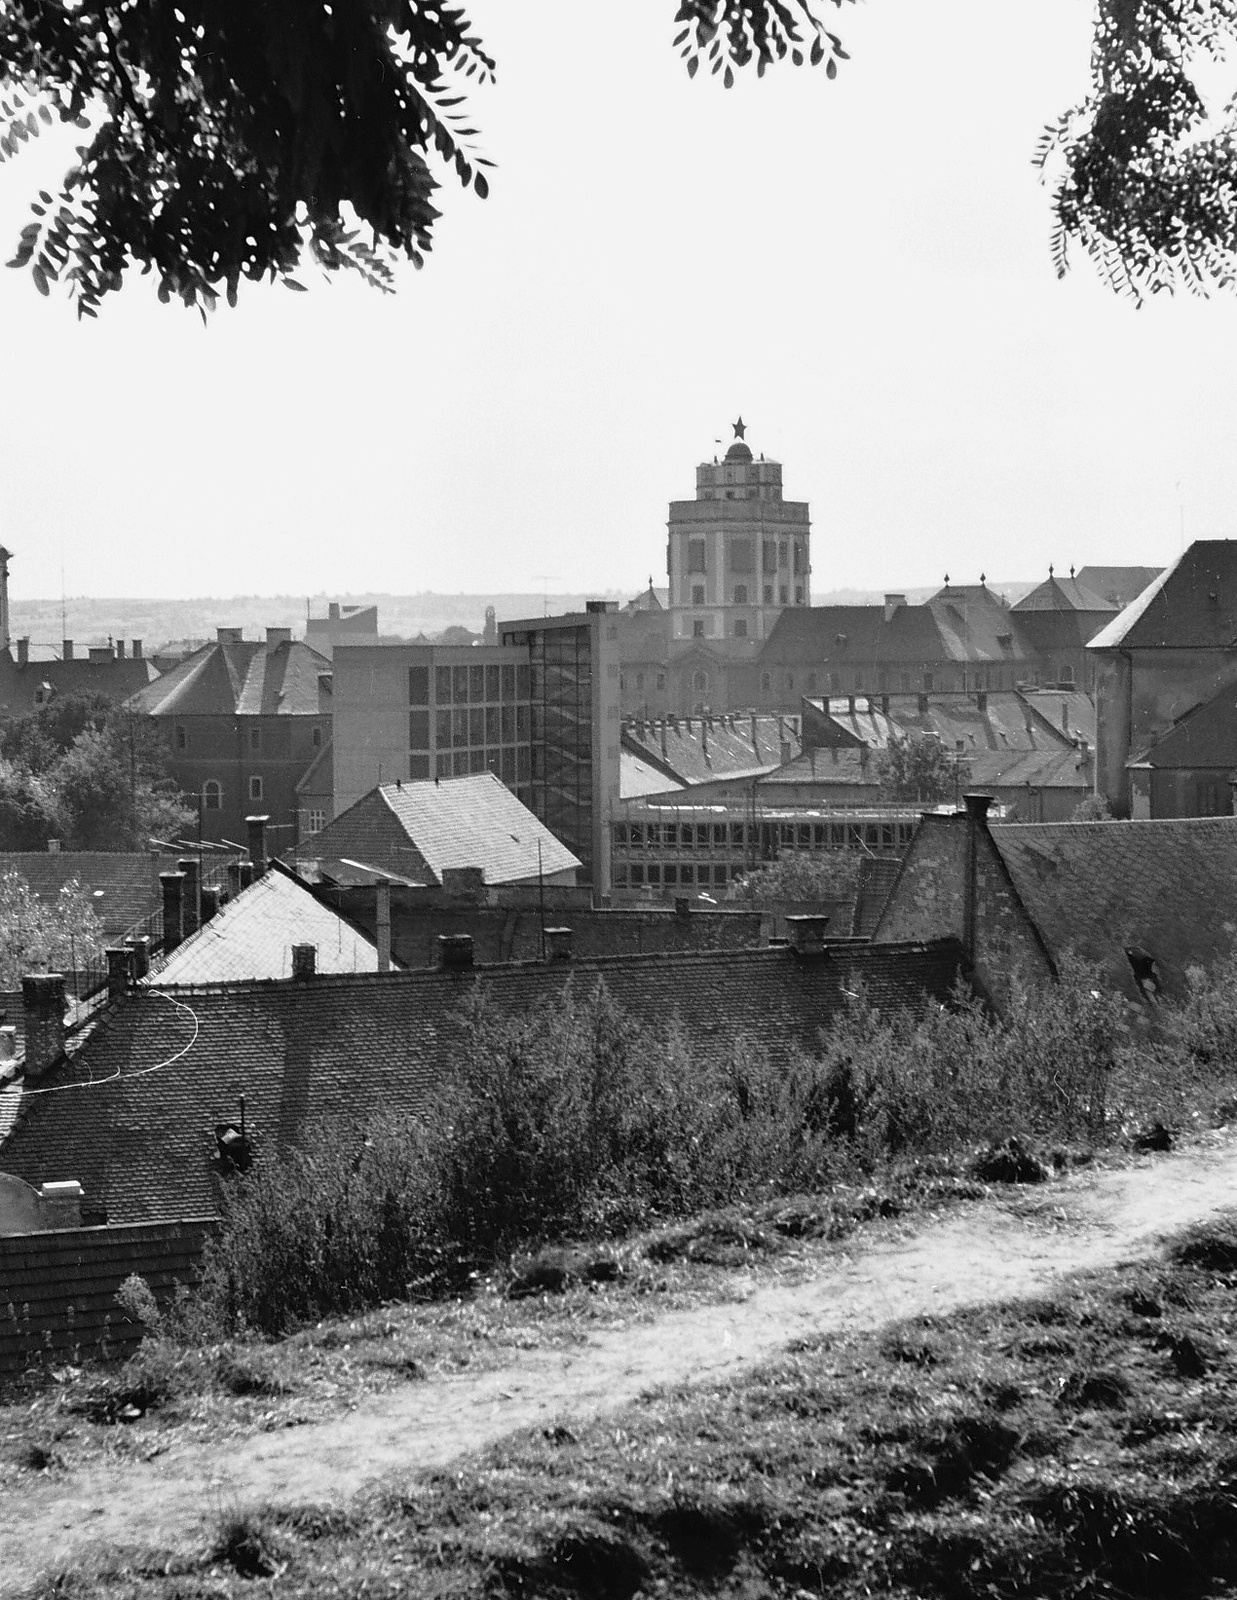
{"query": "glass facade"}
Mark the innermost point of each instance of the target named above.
(466, 718)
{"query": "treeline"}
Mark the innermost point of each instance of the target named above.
(88, 773)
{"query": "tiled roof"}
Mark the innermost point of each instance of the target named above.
(1118, 584)
(1069, 712)
(810, 635)
(164, 1066)
(238, 677)
(1064, 594)
(1204, 737)
(1058, 767)
(124, 887)
(637, 777)
(117, 679)
(977, 625)
(252, 937)
(1004, 722)
(1192, 604)
(1169, 887)
(697, 749)
(417, 831)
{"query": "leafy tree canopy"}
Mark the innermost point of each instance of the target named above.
(803, 877)
(38, 740)
(920, 769)
(232, 139)
(44, 935)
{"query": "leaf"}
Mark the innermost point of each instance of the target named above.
(40, 278)
(291, 283)
(831, 68)
(481, 185)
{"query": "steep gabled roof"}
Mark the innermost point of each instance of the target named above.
(1064, 594)
(164, 1066)
(696, 749)
(238, 677)
(1120, 585)
(415, 832)
(123, 886)
(1191, 605)
(1168, 887)
(1205, 737)
(252, 937)
(812, 635)
(977, 625)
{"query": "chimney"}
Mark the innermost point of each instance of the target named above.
(209, 901)
(23, 652)
(663, 738)
(892, 602)
(257, 843)
(141, 956)
(234, 879)
(120, 649)
(807, 933)
(277, 636)
(383, 922)
(173, 908)
(558, 944)
(1065, 716)
(332, 611)
(66, 649)
(119, 969)
(981, 701)
(755, 735)
(136, 649)
(976, 823)
(190, 905)
(8, 1045)
(5, 557)
(229, 635)
(304, 962)
(1085, 761)
(61, 1204)
(455, 949)
(850, 704)
(42, 999)
(884, 705)
(246, 872)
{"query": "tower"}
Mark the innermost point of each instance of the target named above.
(738, 554)
(5, 557)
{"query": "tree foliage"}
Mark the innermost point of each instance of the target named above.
(41, 934)
(1147, 173)
(920, 769)
(86, 772)
(231, 139)
(796, 876)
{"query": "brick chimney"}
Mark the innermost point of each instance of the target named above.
(135, 649)
(455, 950)
(66, 649)
(173, 885)
(61, 1204)
(977, 806)
(382, 920)
(892, 603)
(190, 905)
(23, 652)
(120, 649)
(558, 944)
(304, 962)
(277, 636)
(807, 933)
(119, 969)
(42, 999)
(210, 902)
(141, 956)
(234, 878)
(257, 843)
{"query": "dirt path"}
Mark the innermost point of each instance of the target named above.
(985, 1251)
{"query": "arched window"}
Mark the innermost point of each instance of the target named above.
(700, 681)
(212, 795)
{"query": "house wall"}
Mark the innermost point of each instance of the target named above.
(61, 1287)
(1139, 695)
(233, 750)
(929, 901)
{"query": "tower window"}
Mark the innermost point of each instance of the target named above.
(695, 555)
(697, 594)
(698, 628)
(740, 594)
(740, 628)
(768, 594)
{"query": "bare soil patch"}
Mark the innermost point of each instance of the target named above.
(979, 1252)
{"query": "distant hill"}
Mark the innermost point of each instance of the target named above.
(155, 622)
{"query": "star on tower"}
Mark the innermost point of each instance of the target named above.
(740, 428)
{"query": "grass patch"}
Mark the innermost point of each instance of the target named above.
(961, 1457)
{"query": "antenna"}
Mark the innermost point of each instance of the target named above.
(543, 578)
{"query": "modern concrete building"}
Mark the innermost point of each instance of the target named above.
(540, 710)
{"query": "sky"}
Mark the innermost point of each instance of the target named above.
(860, 268)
